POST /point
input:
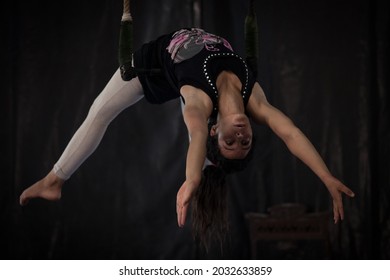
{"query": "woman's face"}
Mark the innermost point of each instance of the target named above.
(234, 136)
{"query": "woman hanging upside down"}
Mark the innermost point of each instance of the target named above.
(220, 94)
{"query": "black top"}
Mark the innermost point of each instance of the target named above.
(189, 57)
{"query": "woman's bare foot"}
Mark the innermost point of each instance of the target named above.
(48, 188)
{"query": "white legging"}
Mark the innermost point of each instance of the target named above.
(115, 97)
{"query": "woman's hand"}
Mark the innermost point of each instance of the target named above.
(184, 196)
(336, 189)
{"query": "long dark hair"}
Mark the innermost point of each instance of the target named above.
(209, 206)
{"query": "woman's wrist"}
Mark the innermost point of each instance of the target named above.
(327, 179)
(193, 183)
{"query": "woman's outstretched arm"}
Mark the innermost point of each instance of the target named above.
(299, 145)
(195, 113)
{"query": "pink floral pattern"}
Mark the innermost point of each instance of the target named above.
(187, 43)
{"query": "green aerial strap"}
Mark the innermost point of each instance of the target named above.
(126, 43)
(125, 52)
(251, 38)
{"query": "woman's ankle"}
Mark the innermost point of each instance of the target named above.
(52, 179)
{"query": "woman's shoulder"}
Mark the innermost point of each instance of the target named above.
(194, 96)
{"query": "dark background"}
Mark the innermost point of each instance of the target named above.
(323, 63)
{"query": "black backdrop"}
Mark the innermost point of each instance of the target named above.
(324, 63)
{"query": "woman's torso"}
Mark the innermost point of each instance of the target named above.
(189, 57)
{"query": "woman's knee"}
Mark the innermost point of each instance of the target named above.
(114, 99)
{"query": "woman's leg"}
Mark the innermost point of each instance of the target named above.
(115, 97)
